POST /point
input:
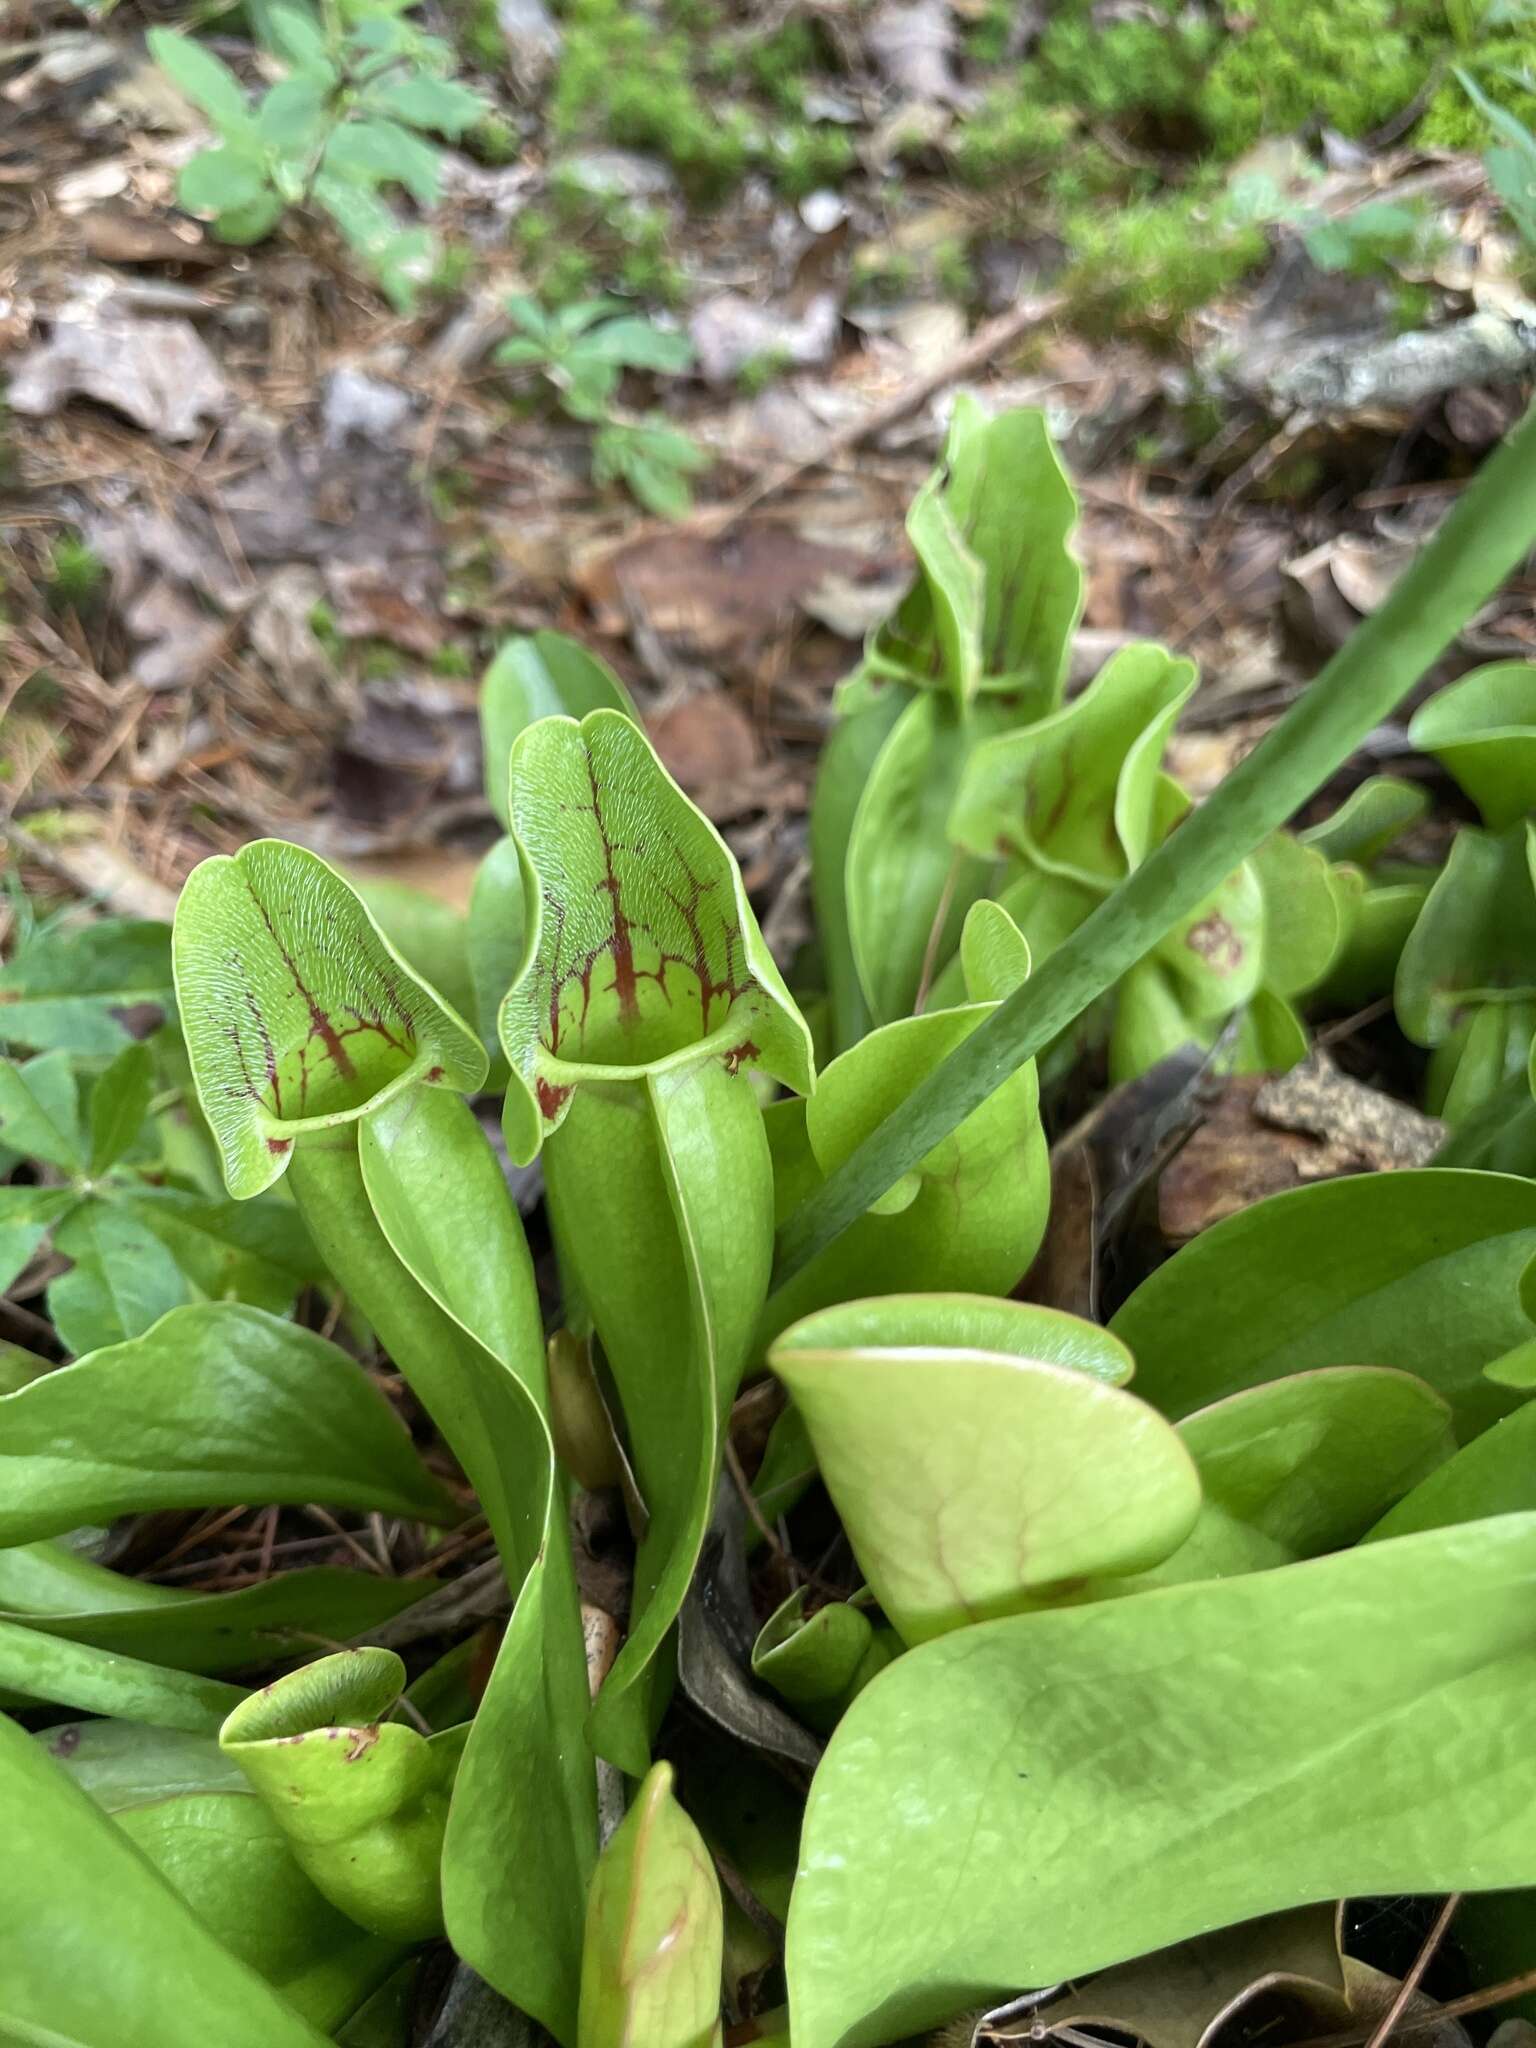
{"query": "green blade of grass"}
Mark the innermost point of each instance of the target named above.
(1486, 534)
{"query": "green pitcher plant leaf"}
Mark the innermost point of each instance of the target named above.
(39, 1666)
(216, 1406)
(1487, 533)
(1419, 1270)
(820, 1661)
(1484, 730)
(1298, 1467)
(640, 947)
(298, 1013)
(970, 1218)
(91, 1934)
(430, 936)
(1466, 980)
(362, 1800)
(1372, 818)
(942, 1426)
(644, 992)
(413, 1214)
(437, 1190)
(1493, 1475)
(50, 1587)
(1261, 1741)
(650, 1971)
(188, 1809)
(534, 676)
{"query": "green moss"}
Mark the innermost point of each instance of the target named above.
(451, 271)
(1114, 70)
(1011, 132)
(1146, 266)
(1352, 64)
(76, 574)
(952, 271)
(882, 274)
(761, 370)
(494, 141)
(477, 32)
(452, 661)
(569, 274)
(1503, 66)
(805, 157)
(780, 63)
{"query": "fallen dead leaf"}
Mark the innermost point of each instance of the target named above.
(707, 742)
(157, 373)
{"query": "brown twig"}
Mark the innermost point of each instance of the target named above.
(1382, 2031)
(987, 342)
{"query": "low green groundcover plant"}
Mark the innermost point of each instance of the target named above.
(1142, 1644)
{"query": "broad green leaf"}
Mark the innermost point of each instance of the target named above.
(638, 345)
(999, 592)
(91, 1935)
(971, 1217)
(934, 641)
(1377, 920)
(380, 152)
(256, 1252)
(822, 1661)
(1261, 1742)
(1016, 510)
(188, 1809)
(89, 988)
(48, 1587)
(787, 1471)
(1484, 729)
(436, 104)
(907, 885)
(843, 769)
(1209, 965)
(298, 1012)
(417, 1224)
(1370, 819)
(298, 37)
(20, 1367)
(47, 1667)
(1075, 794)
(27, 1214)
(205, 79)
(534, 676)
(660, 1197)
(40, 1110)
(1487, 1048)
(218, 1405)
(119, 1105)
(1495, 1475)
(252, 221)
(363, 1801)
(639, 944)
(1475, 939)
(657, 482)
(122, 1279)
(650, 1970)
(944, 1457)
(219, 181)
(1301, 1466)
(1419, 1270)
(294, 114)
(1303, 920)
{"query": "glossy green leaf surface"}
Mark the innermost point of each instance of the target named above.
(1484, 729)
(1370, 819)
(822, 1661)
(1419, 1270)
(1475, 939)
(844, 766)
(944, 1458)
(1261, 1742)
(534, 676)
(639, 943)
(298, 1013)
(47, 1667)
(48, 1587)
(362, 1800)
(91, 1934)
(90, 988)
(650, 1972)
(1301, 1466)
(429, 935)
(1494, 1475)
(218, 1405)
(121, 1281)
(189, 1810)
(415, 1219)
(972, 1215)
